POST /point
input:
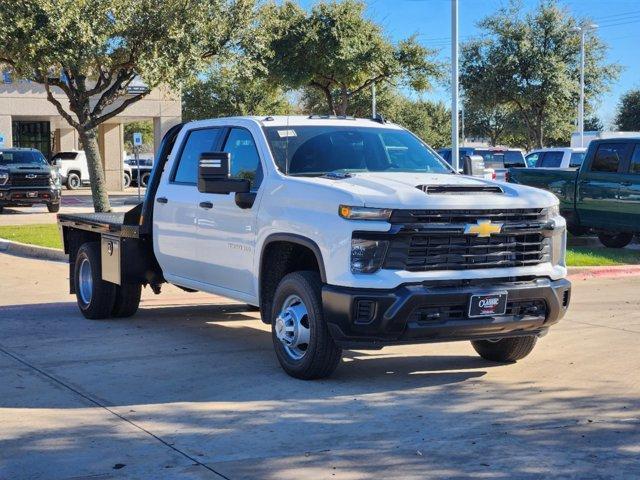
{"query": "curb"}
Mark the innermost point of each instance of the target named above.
(32, 251)
(583, 273)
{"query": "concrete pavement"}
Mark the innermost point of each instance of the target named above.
(190, 388)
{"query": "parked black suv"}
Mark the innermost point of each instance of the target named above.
(27, 179)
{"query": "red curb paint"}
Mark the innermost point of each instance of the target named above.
(585, 273)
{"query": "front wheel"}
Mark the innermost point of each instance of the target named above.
(126, 180)
(73, 181)
(505, 350)
(53, 207)
(300, 336)
(615, 240)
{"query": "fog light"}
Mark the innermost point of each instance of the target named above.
(367, 255)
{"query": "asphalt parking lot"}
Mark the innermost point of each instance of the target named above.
(190, 388)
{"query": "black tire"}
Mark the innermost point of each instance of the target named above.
(53, 207)
(99, 303)
(322, 356)
(127, 300)
(144, 179)
(505, 350)
(126, 180)
(615, 240)
(73, 181)
(1, 208)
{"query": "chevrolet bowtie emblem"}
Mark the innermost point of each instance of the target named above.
(483, 228)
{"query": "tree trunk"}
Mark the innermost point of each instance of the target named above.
(344, 101)
(89, 140)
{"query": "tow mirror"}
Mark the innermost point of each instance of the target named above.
(214, 169)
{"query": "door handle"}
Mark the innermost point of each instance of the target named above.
(206, 205)
(161, 200)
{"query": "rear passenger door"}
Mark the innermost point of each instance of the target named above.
(598, 188)
(629, 196)
(177, 206)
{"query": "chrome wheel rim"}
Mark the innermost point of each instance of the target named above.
(292, 327)
(75, 181)
(85, 281)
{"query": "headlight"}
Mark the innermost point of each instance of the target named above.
(364, 213)
(553, 212)
(367, 255)
(4, 178)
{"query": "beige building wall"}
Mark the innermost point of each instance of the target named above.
(27, 102)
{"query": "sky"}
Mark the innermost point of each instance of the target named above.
(618, 20)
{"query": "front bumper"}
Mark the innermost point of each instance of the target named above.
(17, 197)
(438, 311)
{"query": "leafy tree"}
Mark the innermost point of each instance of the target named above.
(233, 88)
(145, 128)
(628, 116)
(489, 120)
(530, 63)
(91, 51)
(428, 120)
(337, 51)
(593, 124)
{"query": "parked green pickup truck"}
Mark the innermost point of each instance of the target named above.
(603, 196)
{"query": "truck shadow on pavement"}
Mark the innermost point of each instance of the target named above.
(204, 379)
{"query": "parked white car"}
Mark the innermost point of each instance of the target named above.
(560, 157)
(74, 172)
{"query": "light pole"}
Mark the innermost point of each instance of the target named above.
(455, 153)
(583, 30)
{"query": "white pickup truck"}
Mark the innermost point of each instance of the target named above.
(346, 233)
(74, 171)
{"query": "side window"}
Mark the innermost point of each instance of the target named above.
(576, 159)
(551, 159)
(532, 159)
(245, 162)
(197, 142)
(634, 166)
(608, 157)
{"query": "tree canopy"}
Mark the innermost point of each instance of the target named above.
(336, 50)
(628, 115)
(530, 64)
(234, 87)
(92, 50)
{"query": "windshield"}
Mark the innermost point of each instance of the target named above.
(8, 157)
(318, 150)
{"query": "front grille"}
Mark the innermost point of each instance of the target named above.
(517, 215)
(435, 315)
(21, 180)
(433, 251)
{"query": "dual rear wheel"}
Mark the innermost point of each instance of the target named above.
(97, 298)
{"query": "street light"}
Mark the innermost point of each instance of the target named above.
(583, 30)
(455, 153)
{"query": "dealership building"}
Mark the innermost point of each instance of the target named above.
(28, 119)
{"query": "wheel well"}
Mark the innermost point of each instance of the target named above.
(280, 258)
(77, 172)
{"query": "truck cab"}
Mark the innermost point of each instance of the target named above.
(345, 233)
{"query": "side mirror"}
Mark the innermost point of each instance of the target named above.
(214, 169)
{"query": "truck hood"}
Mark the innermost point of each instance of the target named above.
(24, 168)
(416, 190)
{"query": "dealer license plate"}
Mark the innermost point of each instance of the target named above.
(32, 194)
(488, 305)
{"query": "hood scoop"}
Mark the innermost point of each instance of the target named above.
(460, 189)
